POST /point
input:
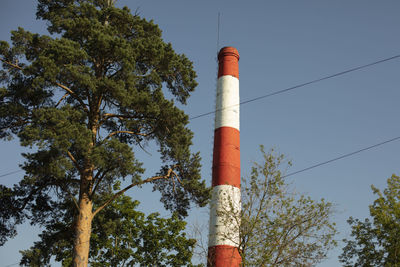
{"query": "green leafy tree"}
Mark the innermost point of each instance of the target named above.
(83, 98)
(121, 236)
(277, 226)
(376, 242)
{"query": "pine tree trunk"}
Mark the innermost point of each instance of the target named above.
(83, 227)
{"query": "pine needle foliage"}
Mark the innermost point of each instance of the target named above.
(101, 85)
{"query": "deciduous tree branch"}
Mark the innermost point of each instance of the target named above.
(286, 242)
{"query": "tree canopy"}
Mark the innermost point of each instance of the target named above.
(376, 242)
(121, 236)
(279, 227)
(102, 85)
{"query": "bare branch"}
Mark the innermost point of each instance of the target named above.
(148, 180)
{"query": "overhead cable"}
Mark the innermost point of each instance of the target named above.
(312, 166)
(302, 85)
(342, 156)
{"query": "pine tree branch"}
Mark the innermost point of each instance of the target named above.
(29, 198)
(72, 93)
(74, 161)
(62, 98)
(107, 116)
(99, 101)
(140, 145)
(72, 197)
(38, 188)
(120, 116)
(148, 180)
(127, 132)
(98, 179)
(16, 124)
(15, 66)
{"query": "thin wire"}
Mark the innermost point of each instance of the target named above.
(292, 88)
(301, 85)
(316, 165)
(6, 174)
(342, 156)
(299, 171)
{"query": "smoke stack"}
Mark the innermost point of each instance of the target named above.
(223, 245)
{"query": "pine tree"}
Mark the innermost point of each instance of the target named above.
(83, 98)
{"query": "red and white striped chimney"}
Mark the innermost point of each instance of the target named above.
(223, 244)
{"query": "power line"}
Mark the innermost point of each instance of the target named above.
(313, 166)
(286, 90)
(296, 172)
(292, 88)
(9, 173)
(342, 156)
(303, 84)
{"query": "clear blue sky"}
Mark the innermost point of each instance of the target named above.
(281, 43)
